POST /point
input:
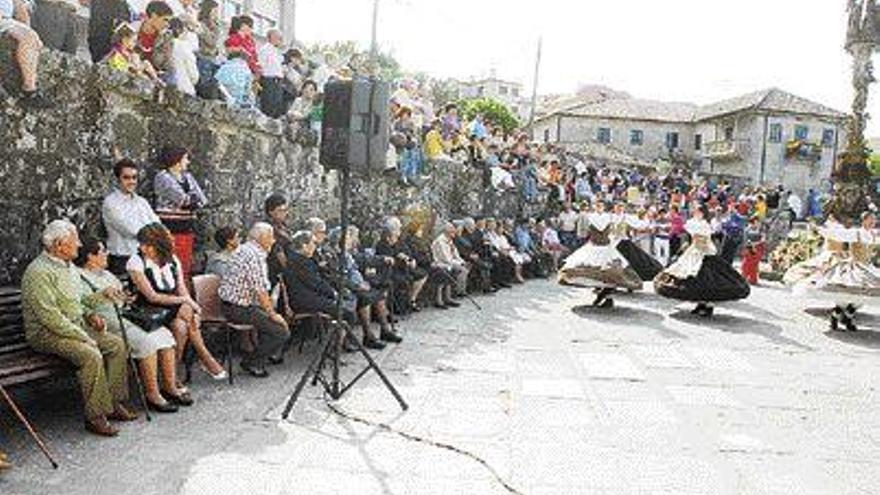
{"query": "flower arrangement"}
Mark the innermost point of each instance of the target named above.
(799, 246)
(797, 148)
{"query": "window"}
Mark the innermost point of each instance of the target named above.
(516, 92)
(801, 132)
(698, 142)
(546, 135)
(604, 135)
(775, 135)
(480, 91)
(728, 133)
(672, 140)
(502, 90)
(828, 138)
(636, 137)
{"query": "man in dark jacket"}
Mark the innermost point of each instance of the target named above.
(480, 269)
(307, 291)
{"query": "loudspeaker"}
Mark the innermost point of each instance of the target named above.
(354, 131)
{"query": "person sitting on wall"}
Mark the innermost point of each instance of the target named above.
(56, 322)
(244, 293)
(15, 24)
(158, 15)
(124, 213)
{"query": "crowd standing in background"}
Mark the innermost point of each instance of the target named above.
(286, 266)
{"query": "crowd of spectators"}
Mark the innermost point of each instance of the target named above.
(72, 291)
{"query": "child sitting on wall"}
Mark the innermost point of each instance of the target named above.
(124, 58)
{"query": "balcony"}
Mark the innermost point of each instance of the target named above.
(727, 151)
(804, 151)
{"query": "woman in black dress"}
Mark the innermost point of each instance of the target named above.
(699, 274)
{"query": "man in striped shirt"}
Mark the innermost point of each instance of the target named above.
(244, 293)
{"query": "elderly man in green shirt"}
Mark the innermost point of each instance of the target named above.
(58, 321)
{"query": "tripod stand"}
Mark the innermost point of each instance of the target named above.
(339, 331)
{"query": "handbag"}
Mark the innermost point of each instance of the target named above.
(149, 317)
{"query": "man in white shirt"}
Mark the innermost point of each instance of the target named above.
(568, 227)
(272, 100)
(795, 206)
(124, 213)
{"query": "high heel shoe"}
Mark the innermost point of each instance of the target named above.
(219, 377)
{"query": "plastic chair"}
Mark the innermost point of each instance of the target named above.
(205, 288)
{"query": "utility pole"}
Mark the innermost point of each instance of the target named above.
(535, 89)
(374, 47)
(287, 12)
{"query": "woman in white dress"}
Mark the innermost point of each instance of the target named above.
(843, 270)
(699, 275)
(598, 263)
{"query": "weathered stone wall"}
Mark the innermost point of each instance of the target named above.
(58, 163)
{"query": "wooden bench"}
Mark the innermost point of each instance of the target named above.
(19, 363)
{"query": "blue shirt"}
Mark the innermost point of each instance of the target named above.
(6, 8)
(523, 239)
(236, 77)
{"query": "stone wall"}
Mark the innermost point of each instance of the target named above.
(58, 163)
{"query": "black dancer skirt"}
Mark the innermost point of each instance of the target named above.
(643, 263)
(716, 281)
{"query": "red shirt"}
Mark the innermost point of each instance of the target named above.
(245, 43)
(146, 42)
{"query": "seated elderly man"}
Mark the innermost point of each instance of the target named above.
(307, 291)
(447, 257)
(56, 322)
(480, 268)
(15, 24)
(244, 293)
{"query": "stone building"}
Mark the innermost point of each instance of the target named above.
(508, 92)
(767, 137)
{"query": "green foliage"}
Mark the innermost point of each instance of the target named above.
(494, 112)
(874, 164)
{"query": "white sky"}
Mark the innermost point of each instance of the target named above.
(676, 50)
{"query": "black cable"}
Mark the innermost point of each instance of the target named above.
(415, 438)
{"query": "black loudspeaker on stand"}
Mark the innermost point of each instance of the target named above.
(354, 130)
(354, 137)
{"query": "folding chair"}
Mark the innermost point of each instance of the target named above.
(205, 288)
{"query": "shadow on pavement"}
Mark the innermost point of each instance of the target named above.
(621, 313)
(739, 325)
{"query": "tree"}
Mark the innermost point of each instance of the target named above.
(494, 112)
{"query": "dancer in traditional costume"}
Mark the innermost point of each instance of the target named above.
(699, 275)
(842, 270)
(624, 226)
(599, 264)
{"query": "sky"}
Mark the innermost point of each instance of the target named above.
(697, 51)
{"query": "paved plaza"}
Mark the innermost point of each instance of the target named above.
(546, 395)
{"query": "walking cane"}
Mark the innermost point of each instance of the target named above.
(131, 361)
(455, 283)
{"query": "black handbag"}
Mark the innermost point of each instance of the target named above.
(149, 317)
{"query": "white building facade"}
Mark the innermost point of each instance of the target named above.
(768, 137)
